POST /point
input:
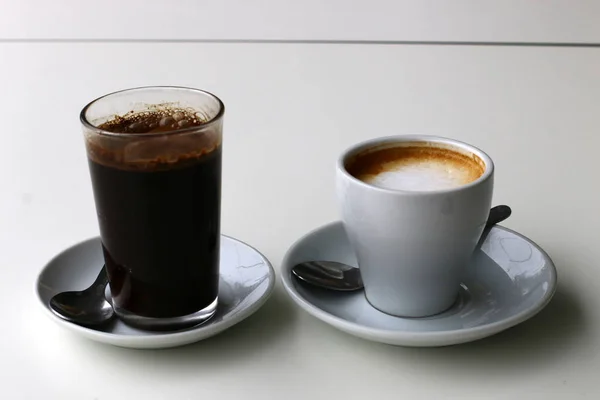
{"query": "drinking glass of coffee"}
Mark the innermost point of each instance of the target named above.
(414, 208)
(155, 162)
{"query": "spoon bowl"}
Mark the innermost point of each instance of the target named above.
(86, 307)
(329, 275)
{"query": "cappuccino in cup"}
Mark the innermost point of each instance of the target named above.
(414, 208)
(415, 166)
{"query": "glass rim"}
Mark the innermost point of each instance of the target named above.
(88, 125)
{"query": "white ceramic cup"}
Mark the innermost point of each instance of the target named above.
(413, 247)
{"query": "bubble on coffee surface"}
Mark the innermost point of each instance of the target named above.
(416, 168)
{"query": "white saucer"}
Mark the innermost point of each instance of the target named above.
(247, 280)
(511, 279)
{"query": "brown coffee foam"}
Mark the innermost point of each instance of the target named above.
(377, 160)
(163, 148)
(151, 121)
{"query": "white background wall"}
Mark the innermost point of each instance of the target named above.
(389, 20)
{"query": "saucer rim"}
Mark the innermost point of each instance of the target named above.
(157, 339)
(416, 338)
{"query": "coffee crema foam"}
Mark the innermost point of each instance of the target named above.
(157, 151)
(415, 168)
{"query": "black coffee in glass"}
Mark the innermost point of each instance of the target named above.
(156, 176)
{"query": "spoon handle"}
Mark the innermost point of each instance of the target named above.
(101, 281)
(497, 215)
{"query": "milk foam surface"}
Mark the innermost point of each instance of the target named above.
(420, 175)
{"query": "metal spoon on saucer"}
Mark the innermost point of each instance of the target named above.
(86, 307)
(342, 277)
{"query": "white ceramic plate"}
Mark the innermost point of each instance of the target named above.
(247, 279)
(510, 280)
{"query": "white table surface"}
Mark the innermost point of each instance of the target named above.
(290, 110)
